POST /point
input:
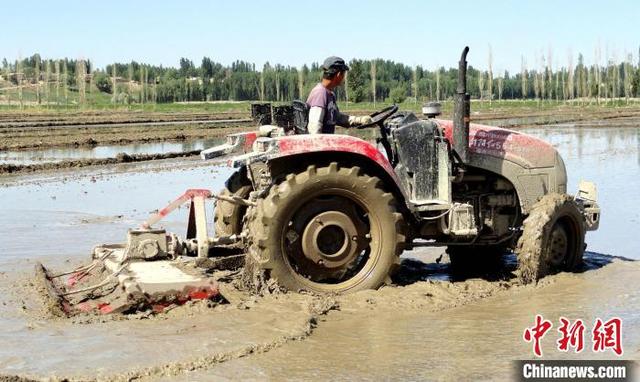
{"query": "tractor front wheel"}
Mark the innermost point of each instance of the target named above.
(552, 238)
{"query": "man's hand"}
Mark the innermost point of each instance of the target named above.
(359, 121)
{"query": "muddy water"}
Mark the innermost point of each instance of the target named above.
(72, 211)
(391, 339)
(431, 329)
(23, 157)
(609, 156)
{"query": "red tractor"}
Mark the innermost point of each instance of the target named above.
(333, 213)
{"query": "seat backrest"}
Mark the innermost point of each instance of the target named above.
(300, 117)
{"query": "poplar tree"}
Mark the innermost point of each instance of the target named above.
(373, 81)
(114, 85)
(523, 77)
(37, 78)
(19, 79)
(65, 81)
(47, 82)
(57, 66)
(490, 76)
(81, 81)
(414, 78)
(300, 84)
(438, 84)
(130, 88)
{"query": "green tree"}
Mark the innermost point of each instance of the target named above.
(103, 83)
(398, 94)
(357, 87)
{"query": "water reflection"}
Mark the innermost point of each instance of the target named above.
(609, 156)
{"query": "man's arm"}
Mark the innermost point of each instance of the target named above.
(316, 116)
(345, 120)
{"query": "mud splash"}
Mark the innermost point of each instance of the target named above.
(430, 330)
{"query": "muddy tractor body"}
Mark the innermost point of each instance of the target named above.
(333, 212)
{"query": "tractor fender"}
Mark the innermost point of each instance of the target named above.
(533, 166)
(299, 150)
(327, 143)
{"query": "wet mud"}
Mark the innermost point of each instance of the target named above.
(430, 324)
(39, 118)
(120, 158)
(24, 138)
(273, 335)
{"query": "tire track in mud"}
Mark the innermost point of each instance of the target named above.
(432, 296)
(425, 296)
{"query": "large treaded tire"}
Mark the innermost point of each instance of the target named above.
(553, 217)
(269, 219)
(228, 217)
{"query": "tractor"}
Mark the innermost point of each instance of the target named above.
(333, 213)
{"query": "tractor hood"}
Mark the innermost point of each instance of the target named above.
(520, 148)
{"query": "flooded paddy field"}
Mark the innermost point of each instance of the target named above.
(17, 137)
(430, 325)
(58, 154)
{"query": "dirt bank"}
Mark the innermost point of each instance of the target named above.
(120, 158)
(76, 136)
(20, 131)
(43, 119)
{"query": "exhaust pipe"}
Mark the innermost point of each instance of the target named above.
(461, 111)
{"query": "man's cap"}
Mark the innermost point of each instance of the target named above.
(334, 62)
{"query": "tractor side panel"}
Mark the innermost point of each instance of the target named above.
(532, 165)
(523, 149)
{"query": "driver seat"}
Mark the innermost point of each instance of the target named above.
(300, 117)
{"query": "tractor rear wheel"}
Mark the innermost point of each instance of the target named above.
(552, 238)
(228, 217)
(326, 230)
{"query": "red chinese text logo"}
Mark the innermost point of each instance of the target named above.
(604, 336)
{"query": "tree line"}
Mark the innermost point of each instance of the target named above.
(53, 80)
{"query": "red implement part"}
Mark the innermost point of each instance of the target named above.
(188, 195)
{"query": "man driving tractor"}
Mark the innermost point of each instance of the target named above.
(323, 108)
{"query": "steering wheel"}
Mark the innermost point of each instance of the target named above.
(379, 117)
